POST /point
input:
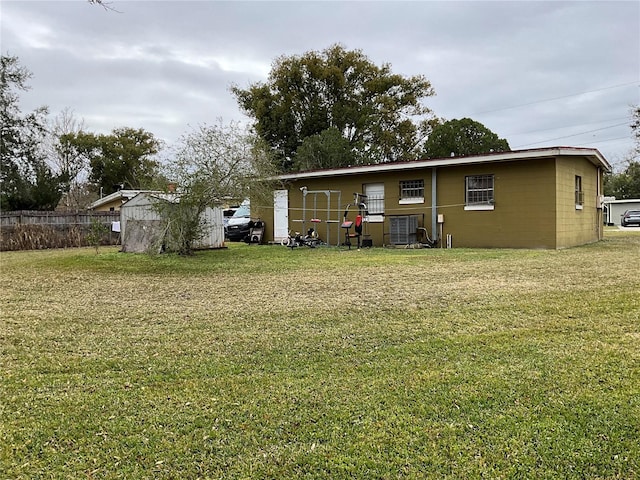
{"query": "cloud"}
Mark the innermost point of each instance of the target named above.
(530, 71)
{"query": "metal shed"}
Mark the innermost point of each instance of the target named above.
(141, 225)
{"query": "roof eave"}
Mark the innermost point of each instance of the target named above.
(120, 194)
(592, 154)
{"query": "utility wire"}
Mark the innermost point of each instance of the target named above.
(557, 98)
(568, 126)
(569, 136)
(608, 140)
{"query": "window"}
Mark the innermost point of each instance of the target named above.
(375, 198)
(412, 191)
(479, 192)
(579, 194)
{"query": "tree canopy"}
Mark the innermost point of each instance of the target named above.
(327, 149)
(70, 165)
(213, 165)
(462, 137)
(122, 159)
(26, 181)
(625, 184)
(380, 114)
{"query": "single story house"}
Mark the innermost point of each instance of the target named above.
(141, 226)
(613, 209)
(537, 198)
(114, 201)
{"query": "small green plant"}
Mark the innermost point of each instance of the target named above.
(96, 232)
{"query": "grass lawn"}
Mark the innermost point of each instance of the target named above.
(263, 362)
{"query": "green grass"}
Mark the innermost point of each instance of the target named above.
(262, 362)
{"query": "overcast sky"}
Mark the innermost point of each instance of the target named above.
(536, 73)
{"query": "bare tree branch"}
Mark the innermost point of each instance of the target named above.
(106, 5)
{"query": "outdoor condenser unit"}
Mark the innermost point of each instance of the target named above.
(403, 229)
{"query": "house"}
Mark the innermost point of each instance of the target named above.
(114, 201)
(613, 209)
(537, 198)
(141, 226)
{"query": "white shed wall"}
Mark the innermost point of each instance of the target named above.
(214, 236)
(138, 208)
(141, 208)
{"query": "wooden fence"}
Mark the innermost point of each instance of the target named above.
(33, 230)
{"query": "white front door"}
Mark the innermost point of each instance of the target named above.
(280, 215)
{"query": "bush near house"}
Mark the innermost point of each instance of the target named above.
(263, 362)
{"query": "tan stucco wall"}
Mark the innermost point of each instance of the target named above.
(577, 226)
(534, 204)
(115, 204)
(524, 213)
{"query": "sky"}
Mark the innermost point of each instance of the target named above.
(546, 73)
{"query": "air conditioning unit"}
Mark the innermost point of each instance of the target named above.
(403, 229)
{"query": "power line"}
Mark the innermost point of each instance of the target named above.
(573, 135)
(557, 98)
(608, 140)
(568, 126)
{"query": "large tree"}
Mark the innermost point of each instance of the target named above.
(213, 165)
(625, 184)
(327, 149)
(380, 114)
(124, 158)
(70, 164)
(462, 137)
(26, 181)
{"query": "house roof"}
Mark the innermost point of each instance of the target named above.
(148, 198)
(123, 195)
(592, 154)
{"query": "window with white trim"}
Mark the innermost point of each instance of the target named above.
(579, 194)
(411, 191)
(375, 198)
(479, 192)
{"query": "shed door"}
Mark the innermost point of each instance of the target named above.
(280, 215)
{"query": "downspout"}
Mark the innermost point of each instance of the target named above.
(599, 205)
(304, 209)
(434, 211)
